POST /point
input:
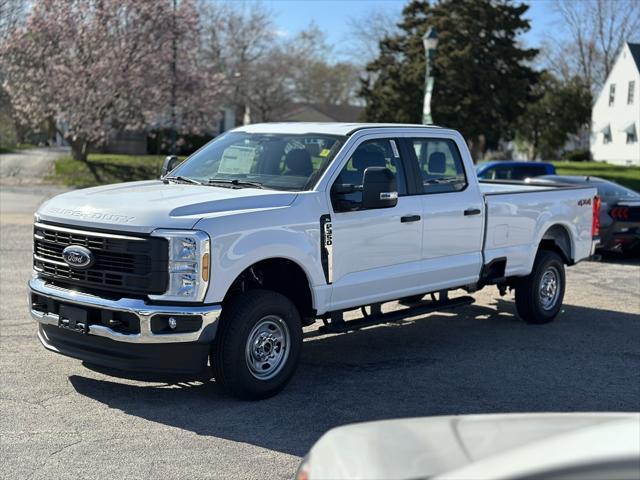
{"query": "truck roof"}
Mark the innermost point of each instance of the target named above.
(329, 128)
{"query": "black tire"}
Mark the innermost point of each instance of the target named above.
(236, 366)
(539, 302)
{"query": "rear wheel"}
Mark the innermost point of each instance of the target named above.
(539, 295)
(258, 345)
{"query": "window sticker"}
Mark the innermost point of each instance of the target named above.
(394, 148)
(324, 152)
(237, 160)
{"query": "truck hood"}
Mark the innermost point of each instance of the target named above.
(144, 206)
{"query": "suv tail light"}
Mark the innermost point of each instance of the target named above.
(619, 213)
(595, 225)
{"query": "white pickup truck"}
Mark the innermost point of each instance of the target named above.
(271, 227)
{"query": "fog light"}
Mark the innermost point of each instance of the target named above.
(172, 323)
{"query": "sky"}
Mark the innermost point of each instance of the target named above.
(333, 16)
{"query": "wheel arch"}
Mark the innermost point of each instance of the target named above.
(558, 238)
(279, 274)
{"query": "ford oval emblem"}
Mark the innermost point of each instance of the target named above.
(78, 257)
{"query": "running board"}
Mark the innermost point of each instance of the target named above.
(340, 326)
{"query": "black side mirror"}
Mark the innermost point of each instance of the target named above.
(170, 162)
(344, 188)
(379, 188)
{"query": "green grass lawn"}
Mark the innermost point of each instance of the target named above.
(14, 148)
(105, 168)
(627, 176)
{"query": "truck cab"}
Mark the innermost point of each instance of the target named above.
(219, 265)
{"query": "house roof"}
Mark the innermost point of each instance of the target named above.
(635, 53)
(324, 111)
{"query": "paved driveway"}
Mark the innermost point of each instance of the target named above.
(60, 419)
(28, 167)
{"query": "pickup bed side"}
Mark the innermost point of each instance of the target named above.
(517, 223)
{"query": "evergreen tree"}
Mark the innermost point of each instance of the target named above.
(482, 78)
(560, 109)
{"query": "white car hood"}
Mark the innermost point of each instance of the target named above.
(144, 206)
(473, 446)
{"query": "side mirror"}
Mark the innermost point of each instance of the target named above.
(344, 188)
(170, 162)
(379, 188)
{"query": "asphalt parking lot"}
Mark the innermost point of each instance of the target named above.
(60, 419)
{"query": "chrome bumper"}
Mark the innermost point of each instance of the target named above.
(142, 310)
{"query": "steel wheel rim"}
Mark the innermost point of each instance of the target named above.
(549, 290)
(267, 347)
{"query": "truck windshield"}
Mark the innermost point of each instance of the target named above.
(259, 160)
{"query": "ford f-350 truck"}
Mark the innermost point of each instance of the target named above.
(220, 263)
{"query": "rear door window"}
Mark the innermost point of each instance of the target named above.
(440, 165)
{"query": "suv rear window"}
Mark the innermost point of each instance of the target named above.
(514, 173)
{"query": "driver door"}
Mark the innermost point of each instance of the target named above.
(376, 253)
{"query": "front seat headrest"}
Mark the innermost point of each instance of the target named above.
(298, 162)
(363, 159)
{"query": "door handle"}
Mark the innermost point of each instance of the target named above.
(472, 211)
(410, 218)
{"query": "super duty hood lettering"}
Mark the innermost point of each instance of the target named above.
(105, 217)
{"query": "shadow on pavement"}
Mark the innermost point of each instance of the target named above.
(619, 258)
(479, 361)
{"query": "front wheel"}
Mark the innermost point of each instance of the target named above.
(258, 345)
(539, 295)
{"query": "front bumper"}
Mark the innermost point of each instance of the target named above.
(141, 350)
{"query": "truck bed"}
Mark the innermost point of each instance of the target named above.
(519, 214)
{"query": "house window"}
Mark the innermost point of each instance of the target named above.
(632, 88)
(606, 134)
(612, 94)
(632, 134)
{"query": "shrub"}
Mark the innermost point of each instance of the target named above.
(577, 155)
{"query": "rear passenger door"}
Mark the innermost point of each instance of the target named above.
(453, 219)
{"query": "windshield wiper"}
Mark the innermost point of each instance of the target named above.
(235, 182)
(181, 179)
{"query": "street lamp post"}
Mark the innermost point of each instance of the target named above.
(430, 42)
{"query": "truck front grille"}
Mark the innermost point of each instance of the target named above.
(122, 263)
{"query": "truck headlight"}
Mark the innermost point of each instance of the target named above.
(188, 265)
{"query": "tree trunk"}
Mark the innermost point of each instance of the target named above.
(79, 150)
(476, 147)
(51, 131)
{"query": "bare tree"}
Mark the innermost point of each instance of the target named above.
(365, 33)
(237, 37)
(597, 30)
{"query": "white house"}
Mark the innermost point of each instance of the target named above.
(615, 118)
